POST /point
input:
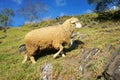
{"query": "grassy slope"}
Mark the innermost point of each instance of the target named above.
(10, 59)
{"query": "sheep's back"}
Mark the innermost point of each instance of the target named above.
(44, 36)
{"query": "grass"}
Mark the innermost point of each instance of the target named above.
(10, 59)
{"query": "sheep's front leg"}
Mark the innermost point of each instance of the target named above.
(63, 55)
(32, 59)
(71, 42)
(56, 54)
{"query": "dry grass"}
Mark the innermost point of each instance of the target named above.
(66, 68)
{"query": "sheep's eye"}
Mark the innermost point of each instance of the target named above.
(73, 23)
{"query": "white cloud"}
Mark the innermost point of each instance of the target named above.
(89, 11)
(61, 2)
(17, 1)
(114, 8)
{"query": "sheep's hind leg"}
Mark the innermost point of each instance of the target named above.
(56, 54)
(25, 58)
(31, 53)
(63, 55)
(32, 59)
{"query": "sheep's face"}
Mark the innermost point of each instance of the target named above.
(75, 21)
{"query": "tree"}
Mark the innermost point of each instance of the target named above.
(6, 16)
(3, 19)
(32, 11)
(103, 5)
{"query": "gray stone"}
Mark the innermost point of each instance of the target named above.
(92, 52)
(81, 68)
(75, 34)
(118, 29)
(108, 48)
(47, 71)
(94, 23)
(88, 54)
(22, 48)
(109, 31)
(72, 78)
(82, 36)
(104, 26)
(112, 68)
(3, 37)
(0, 42)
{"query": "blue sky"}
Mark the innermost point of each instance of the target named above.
(55, 8)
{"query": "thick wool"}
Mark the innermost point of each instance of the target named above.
(49, 37)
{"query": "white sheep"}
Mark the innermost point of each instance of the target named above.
(50, 37)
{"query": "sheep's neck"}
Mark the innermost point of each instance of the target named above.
(69, 29)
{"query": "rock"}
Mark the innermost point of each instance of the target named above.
(85, 24)
(117, 29)
(84, 60)
(108, 48)
(116, 24)
(59, 78)
(47, 71)
(0, 42)
(90, 53)
(94, 23)
(83, 56)
(3, 37)
(17, 39)
(104, 26)
(110, 31)
(94, 51)
(72, 78)
(45, 78)
(112, 68)
(74, 34)
(82, 36)
(22, 48)
(81, 68)
(90, 26)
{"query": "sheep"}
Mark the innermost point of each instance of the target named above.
(50, 37)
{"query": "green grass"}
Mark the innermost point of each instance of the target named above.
(11, 67)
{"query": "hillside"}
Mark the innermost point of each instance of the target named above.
(91, 50)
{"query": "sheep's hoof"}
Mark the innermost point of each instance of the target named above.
(34, 62)
(23, 62)
(63, 55)
(55, 56)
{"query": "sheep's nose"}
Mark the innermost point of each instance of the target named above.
(78, 25)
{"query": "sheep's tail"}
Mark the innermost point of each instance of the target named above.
(22, 48)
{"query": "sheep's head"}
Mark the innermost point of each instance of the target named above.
(75, 22)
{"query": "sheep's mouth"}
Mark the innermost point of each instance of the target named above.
(78, 25)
